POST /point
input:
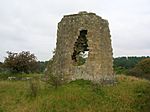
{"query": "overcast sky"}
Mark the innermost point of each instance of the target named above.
(31, 25)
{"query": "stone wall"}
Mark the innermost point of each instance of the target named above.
(98, 64)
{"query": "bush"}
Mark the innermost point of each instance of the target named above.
(120, 70)
(23, 62)
(55, 80)
(144, 66)
(142, 69)
(5, 74)
(135, 72)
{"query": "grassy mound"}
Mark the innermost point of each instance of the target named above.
(130, 94)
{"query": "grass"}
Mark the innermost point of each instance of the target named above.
(4, 76)
(130, 94)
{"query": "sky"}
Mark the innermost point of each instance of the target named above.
(31, 25)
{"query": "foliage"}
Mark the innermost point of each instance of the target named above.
(120, 70)
(55, 80)
(80, 61)
(142, 69)
(4, 72)
(1, 66)
(123, 64)
(129, 95)
(140, 92)
(135, 72)
(127, 62)
(23, 62)
(42, 66)
(4, 76)
(144, 65)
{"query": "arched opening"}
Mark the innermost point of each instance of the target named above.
(81, 50)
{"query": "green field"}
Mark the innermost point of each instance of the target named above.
(128, 95)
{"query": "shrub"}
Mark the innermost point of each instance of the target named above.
(142, 69)
(23, 62)
(135, 72)
(55, 80)
(144, 65)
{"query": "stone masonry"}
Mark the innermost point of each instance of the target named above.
(83, 48)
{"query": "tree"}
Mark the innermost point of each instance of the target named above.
(123, 64)
(1, 67)
(142, 69)
(23, 62)
(42, 66)
(144, 65)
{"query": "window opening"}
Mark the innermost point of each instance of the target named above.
(81, 50)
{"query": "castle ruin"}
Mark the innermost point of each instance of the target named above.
(83, 48)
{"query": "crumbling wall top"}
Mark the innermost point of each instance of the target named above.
(80, 13)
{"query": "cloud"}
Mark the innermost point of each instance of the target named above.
(32, 25)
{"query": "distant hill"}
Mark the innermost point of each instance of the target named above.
(127, 62)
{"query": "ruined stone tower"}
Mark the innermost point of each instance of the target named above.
(83, 48)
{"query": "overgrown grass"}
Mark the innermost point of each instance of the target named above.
(4, 76)
(130, 94)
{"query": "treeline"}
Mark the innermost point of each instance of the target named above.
(135, 66)
(26, 62)
(127, 62)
